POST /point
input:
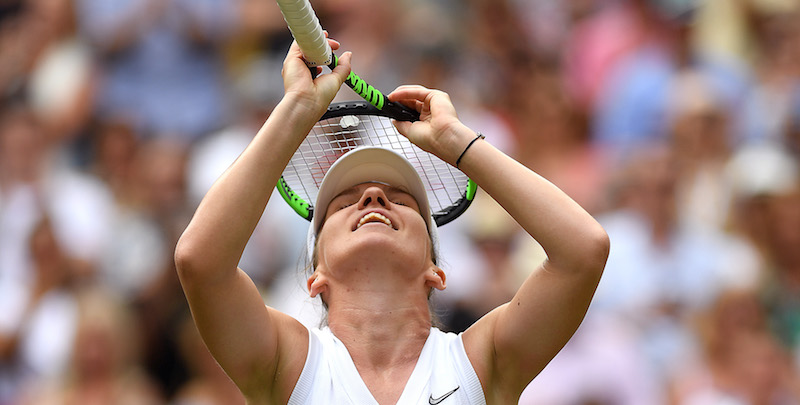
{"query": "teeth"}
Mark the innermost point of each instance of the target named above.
(373, 217)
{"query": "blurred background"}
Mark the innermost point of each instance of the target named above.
(675, 122)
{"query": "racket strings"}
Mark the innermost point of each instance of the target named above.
(332, 138)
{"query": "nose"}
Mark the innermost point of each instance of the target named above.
(373, 196)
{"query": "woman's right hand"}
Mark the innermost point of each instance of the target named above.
(313, 94)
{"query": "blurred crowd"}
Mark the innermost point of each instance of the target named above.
(676, 123)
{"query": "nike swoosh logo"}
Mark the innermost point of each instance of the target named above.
(434, 401)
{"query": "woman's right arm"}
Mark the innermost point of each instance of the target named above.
(261, 349)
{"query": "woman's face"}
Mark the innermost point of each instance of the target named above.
(373, 221)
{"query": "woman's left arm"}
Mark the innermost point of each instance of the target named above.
(512, 344)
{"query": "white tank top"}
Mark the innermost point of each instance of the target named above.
(443, 374)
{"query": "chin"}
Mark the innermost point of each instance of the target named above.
(379, 244)
(367, 250)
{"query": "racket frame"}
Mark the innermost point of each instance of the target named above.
(337, 110)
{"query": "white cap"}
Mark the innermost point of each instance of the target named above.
(369, 164)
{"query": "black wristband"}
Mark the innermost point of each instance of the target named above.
(480, 136)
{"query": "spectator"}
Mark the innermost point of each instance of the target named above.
(60, 85)
(78, 205)
(103, 369)
(756, 370)
(36, 349)
(160, 63)
(770, 107)
(631, 108)
(131, 259)
(660, 272)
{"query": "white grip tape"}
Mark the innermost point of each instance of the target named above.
(307, 31)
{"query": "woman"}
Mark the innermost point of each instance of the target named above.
(379, 346)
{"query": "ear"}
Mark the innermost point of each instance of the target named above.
(435, 278)
(317, 284)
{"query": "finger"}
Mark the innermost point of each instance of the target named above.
(333, 43)
(294, 51)
(409, 92)
(293, 60)
(293, 57)
(410, 103)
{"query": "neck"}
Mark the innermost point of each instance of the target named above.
(381, 327)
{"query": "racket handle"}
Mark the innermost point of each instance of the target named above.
(307, 31)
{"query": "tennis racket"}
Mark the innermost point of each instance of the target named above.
(346, 126)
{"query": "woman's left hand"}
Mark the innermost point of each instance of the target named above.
(438, 130)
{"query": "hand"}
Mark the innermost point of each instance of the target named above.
(438, 130)
(314, 94)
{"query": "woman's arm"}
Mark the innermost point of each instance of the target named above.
(512, 344)
(262, 350)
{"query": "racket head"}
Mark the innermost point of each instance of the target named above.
(351, 125)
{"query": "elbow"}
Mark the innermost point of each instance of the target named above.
(198, 259)
(188, 258)
(598, 246)
(588, 252)
(183, 257)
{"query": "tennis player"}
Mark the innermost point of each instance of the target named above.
(374, 267)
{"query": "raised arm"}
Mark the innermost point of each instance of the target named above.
(512, 344)
(261, 349)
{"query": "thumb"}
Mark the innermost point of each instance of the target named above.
(329, 84)
(343, 67)
(403, 127)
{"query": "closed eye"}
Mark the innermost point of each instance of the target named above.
(344, 204)
(400, 197)
(344, 200)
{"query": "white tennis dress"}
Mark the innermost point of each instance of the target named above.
(443, 374)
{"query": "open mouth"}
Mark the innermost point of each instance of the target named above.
(374, 217)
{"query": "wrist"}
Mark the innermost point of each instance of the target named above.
(469, 145)
(458, 142)
(290, 121)
(302, 105)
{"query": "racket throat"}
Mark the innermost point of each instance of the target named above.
(365, 90)
(374, 96)
(361, 87)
